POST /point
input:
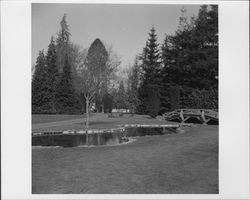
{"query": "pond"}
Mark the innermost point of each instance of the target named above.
(112, 137)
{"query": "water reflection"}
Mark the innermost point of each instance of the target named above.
(106, 138)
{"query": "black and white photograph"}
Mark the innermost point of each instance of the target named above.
(124, 100)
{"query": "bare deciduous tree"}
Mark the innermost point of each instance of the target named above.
(90, 85)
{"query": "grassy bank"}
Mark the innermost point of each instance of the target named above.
(181, 164)
(97, 121)
(43, 118)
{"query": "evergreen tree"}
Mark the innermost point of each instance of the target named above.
(62, 43)
(166, 52)
(194, 53)
(144, 61)
(153, 103)
(183, 20)
(40, 99)
(121, 98)
(204, 71)
(133, 86)
(190, 56)
(166, 82)
(150, 68)
(141, 107)
(174, 98)
(66, 100)
(52, 74)
(151, 59)
(70, 53)
(206, 34)
(76, 55)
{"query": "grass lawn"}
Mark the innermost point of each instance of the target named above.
(37, 119)
(78, 122)
(179, 163)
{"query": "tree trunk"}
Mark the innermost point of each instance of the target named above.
(87, 120)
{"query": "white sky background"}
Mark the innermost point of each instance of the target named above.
(125, 27)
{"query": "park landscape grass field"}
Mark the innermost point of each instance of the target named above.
(97, 121)
(38, 118)
(184, 163)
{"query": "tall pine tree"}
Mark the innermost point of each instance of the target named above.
(40, 96)
(150, 69)
(52, 74)
(153, 102)
(63, 43)
(151, 59)
(66, 100)
(133, 86)
(190, 56)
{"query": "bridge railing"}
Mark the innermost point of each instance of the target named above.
(211, 113)
(185, 111)
(170, 114)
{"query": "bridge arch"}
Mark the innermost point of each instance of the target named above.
(202, 116)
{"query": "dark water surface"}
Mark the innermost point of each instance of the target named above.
(106, 138)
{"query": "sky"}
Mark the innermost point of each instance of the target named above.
(124, 26)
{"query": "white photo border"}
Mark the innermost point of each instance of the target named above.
(233, 102)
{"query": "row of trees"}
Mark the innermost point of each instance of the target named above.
(52, 83)
(70, 80)
(181, 72)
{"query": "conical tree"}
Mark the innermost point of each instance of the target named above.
(151, 59)
(150, 68)
(40, 99)
(52, 74)
(66, 101)
(96, 63)
(133, 86)
(166, 80)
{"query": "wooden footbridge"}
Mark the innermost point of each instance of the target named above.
(204, 116)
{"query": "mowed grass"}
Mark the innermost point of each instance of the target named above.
(184, 163)
(43, 118)
(98, 120)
